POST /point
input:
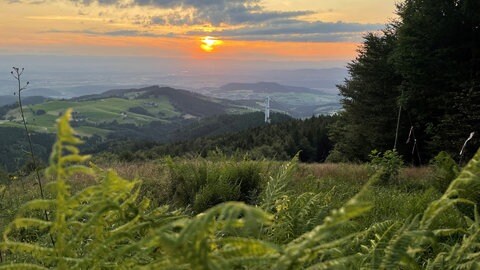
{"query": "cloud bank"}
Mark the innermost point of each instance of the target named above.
(232, 19)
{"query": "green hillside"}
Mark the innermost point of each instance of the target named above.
(134, 108)
(93, 112)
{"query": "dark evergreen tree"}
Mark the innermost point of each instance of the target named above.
(438, 55)
(430, 61)
(369, 100)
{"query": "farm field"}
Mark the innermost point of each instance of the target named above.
(93, 112)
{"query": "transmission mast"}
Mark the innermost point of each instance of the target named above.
(267, 110)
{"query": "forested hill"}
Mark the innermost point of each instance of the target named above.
(279, 141)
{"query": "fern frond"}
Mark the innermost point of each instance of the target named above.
(404, 245)
(276, 185)
(464, 189)
(199, 240)
(299, 251)
(376, 251)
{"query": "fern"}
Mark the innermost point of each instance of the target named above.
(295, 215)
(276, 186)
(463, 255)
(318, 243)
(465, 189)
(209, 241)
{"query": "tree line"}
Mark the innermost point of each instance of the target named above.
(421, 72)
(280, 141)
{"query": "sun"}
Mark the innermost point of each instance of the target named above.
(209, 43)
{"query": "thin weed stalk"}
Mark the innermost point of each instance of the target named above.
(17, 73)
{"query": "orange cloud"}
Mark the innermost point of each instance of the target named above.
(71, 43)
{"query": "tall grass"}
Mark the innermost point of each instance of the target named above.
(203, 184)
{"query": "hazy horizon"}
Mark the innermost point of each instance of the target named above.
(56, 72)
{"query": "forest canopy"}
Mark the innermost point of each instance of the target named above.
(425, 67)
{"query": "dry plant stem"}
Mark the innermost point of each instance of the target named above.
(17, 75)
(34, 160)
(398, 124)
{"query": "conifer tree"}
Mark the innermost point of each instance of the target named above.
(369, 100)
(438, 56)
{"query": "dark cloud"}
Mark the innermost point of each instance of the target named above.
(101, 2)
(233, 17)
(301, 27)
(215, 12)
(31, 2)
(118, 33)
(317, 37)
(296, 30)
(252, 21)
(287, 30)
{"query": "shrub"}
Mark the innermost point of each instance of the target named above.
(212, 194)
(40, 112)
(386, 165)
(186, 179)
(140, 110)
(213, 182)
(336, 156)
(29, 167)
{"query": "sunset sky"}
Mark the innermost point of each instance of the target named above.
(274, 30)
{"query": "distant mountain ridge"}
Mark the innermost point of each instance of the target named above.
(267, 87)
(29, 100)
(45, 92)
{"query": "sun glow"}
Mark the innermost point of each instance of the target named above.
(209, 43)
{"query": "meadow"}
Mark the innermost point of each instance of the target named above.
(41, 117)
(413, 192)
(233, 213)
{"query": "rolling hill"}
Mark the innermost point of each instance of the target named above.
(107, 113)
(184, 101)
